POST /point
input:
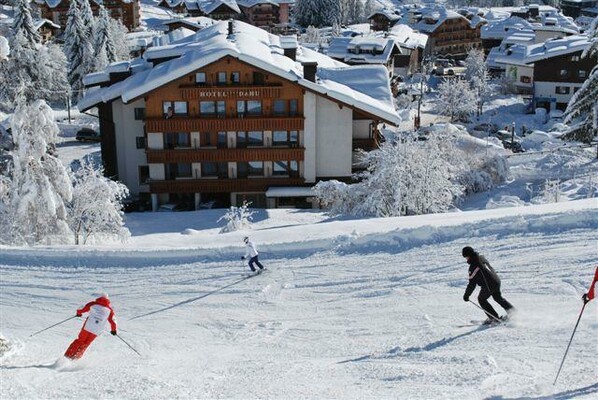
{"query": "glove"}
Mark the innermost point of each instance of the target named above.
(243, 257)
(113, 333)
(585, 298)
(465, 298)
(79, 315)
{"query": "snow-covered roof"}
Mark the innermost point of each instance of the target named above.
(290, 191)
(96, 78)
(389, 13)
(434, 17)
(556, 47)
(252, 3)
(502, 28)
(38, 23)
(55, 3)
(365, 88)
(406, 37)
(198, 22)
(173, 36)
(209, 6)
(369, 49)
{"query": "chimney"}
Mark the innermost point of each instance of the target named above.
(230, 27)
(289, 45)
(309, 70)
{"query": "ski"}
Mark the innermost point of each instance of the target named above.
(480, 323)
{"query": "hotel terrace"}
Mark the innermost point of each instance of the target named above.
(234, 113)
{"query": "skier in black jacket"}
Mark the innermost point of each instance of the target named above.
(482, 274)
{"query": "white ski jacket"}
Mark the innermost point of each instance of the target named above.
(100, 312)
(250, 250)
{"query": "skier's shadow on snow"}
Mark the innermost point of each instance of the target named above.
(395, 351)
(584, 391)
(47, 366)
(193, 299)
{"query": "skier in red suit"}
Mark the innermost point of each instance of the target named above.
(100, 311)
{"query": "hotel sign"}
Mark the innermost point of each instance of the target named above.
(230, 93)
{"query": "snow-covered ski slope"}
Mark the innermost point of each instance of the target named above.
(349, 309)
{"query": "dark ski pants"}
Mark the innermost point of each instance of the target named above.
(483, 300)
(254, 260)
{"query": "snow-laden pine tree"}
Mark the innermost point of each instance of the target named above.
(354, 11)
(38, 187)
(312, 35)
(318, 13)
(582, 110)
(104, 50)
(78, 50)
(32, 72)
(23, 22)
(456, 99)
(477, 76)
(96, 207)
(118, 34)
(87, 17)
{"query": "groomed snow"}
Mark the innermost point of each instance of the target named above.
(349, 308)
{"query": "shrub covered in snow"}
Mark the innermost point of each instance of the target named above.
(410, 176)
(96, 208)
(237, 218)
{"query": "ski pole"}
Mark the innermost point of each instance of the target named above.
(570, 340)
(490, 315)
(52, 326)
(125, 342)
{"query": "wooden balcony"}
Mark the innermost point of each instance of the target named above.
(229, 92)
(221, 185)
(185, 124)
(224, 155)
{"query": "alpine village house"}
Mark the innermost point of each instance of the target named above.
(234, 113)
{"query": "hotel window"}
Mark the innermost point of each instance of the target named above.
(222, 78)
(285, 168)
(279, 107)
(293, 107)
(582, 74)
(251, 168)
(563, 73)
(178, 170)
(285, 138)
(143, 174)
(139, 114)
(140, 142)
(235, 77)
(258, 78)
(172, 140)
(212, 169)
(562, 90)
(200, 78)
(255, 138)
(525, 79)
(222, 140)
(249, 107)
(211, 108)
(174, 108)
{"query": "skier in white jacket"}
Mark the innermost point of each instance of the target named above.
(252, 254)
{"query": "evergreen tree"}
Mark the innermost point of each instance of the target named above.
(23, 22)
(582, 110)
(355, 11)
(118, 36)
(87, 17)
(456, 99)
(318, 13)
(103, 44)
(78, 50)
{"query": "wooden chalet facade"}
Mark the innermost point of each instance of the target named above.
(557, 78)
(230, 131)
(127, 11)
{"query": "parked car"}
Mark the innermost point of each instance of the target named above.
(89, 135)
(515, 147)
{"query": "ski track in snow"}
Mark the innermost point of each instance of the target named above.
(356, 316)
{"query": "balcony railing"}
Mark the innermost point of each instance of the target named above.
(224, 155)
(221, 185)
(185, 124)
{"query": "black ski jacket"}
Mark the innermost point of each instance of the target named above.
(482, 274)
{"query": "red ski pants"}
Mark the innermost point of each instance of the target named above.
(79, 345)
